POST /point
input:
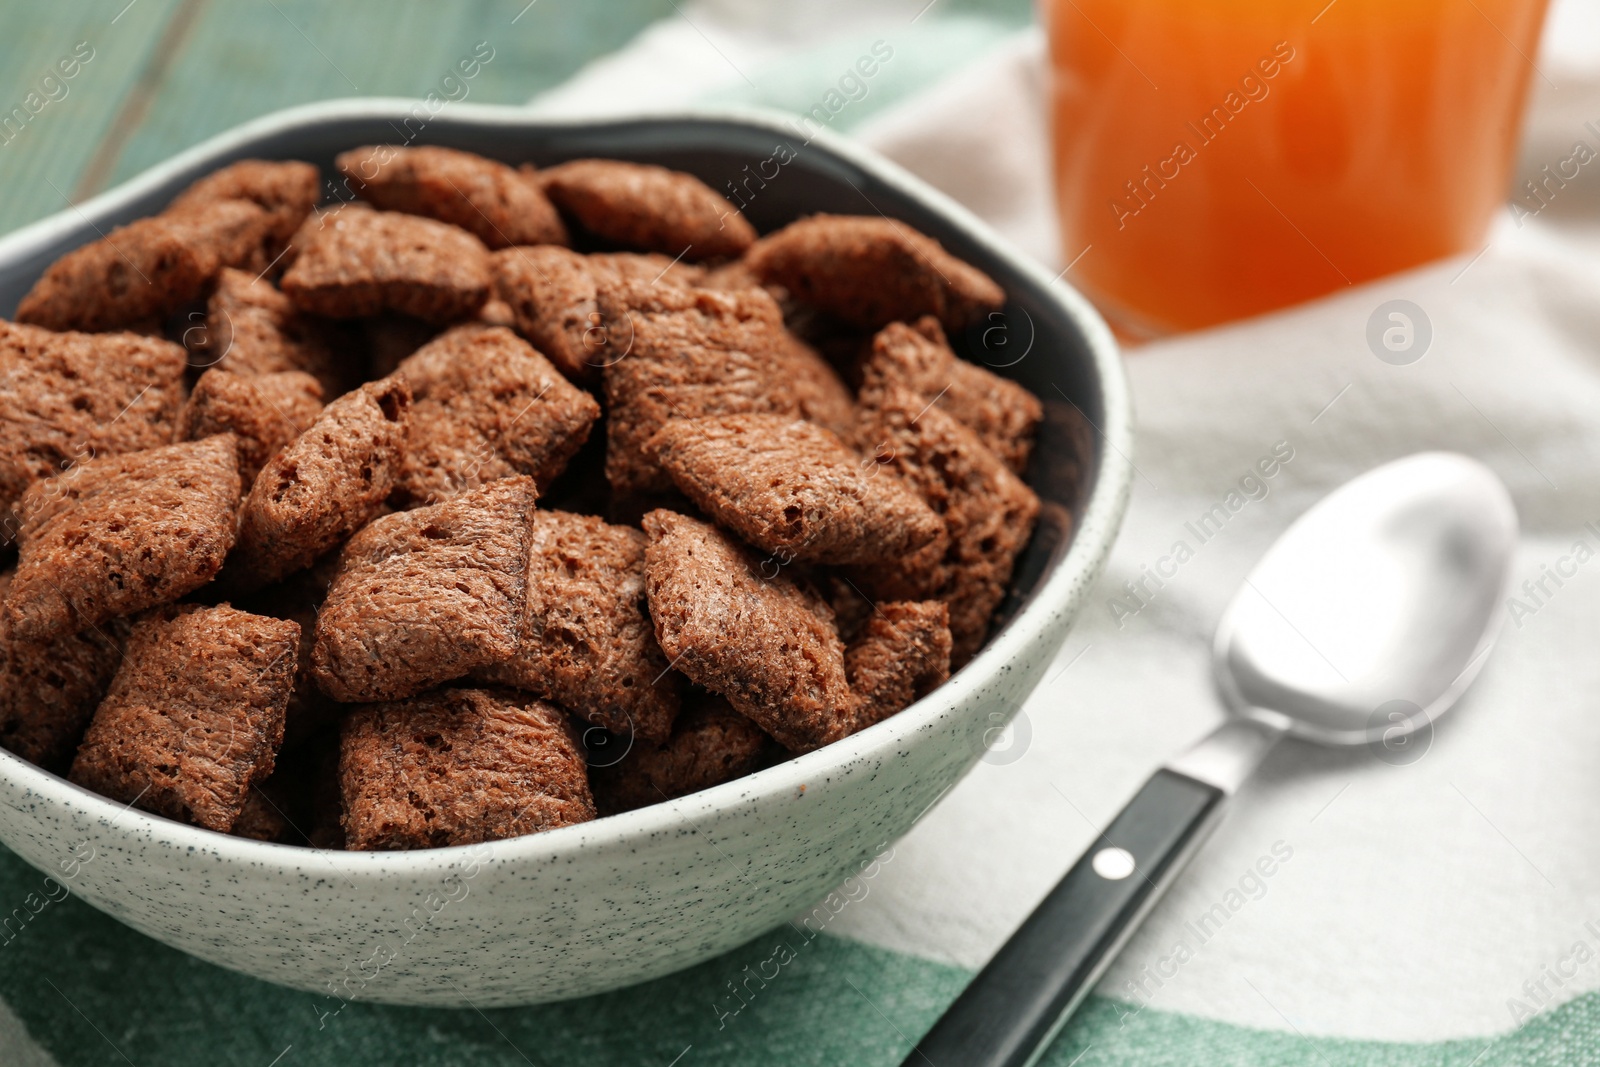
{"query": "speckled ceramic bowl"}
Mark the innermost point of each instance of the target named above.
(594, 907)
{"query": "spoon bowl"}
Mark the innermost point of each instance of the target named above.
(1375, 610)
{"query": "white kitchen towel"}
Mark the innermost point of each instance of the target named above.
(1447, 897)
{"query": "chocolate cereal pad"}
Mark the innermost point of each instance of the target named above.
(902, 655)
(683, 353)
(118, 535)
(486, 405)
(988, 514)
(49, 689)
(636, 205)
(426, 596)
(553, 300)
(710, 744)
(553, 295)
(252, 328)
(793, 489)
(353, 262)
(67, 397)
(323, 486)
(286, 191)
(766, 644)
(145, 270)
(497, 204)
(279, 569)
(264, 413)
(459, 766)
(585, 640)
(1003, 414)
(194, 715)
(869, 272)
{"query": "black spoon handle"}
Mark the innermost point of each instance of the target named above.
(1025, 994)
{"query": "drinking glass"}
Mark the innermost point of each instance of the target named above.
(1219, 158)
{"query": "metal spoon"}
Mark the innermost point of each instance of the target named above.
(1362, 624)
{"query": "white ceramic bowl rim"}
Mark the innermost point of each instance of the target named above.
(1095, 527)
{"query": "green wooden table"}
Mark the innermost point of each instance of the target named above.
(165, 74)
(162, 75)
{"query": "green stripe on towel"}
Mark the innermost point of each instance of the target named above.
(91, 992)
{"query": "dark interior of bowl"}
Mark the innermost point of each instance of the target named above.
(776, 177)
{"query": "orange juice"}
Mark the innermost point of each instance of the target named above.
(1219, 158)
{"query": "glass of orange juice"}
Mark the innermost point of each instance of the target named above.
(1219, 158)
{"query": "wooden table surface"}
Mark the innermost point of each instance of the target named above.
(164, 74)
(151, 77)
